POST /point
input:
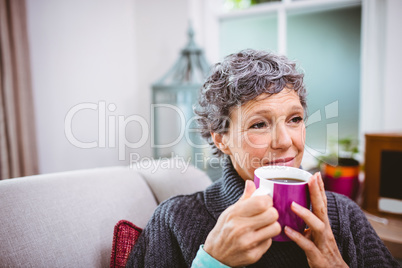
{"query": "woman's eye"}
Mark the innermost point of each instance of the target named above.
(259, 125)
(296, 119)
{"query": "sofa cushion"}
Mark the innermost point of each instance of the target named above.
(170, 177)
(124, 238)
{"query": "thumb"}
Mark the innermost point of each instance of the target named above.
(249, 189)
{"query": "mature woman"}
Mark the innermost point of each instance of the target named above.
(251, 110)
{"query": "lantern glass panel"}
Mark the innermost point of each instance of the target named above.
(174, 124)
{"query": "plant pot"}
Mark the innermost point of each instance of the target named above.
(342, 178)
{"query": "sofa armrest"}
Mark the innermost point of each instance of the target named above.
(67, 219)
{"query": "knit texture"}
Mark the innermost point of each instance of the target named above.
(181, 224)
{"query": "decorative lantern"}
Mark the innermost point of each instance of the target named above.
(174, 125)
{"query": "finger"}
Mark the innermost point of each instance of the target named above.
(309, 218)
(264, 219)
(254, 206)
(256, 250)
(307, 245)
(322, 188)
(249, 189)
(265, 244)
(268, 232)
(316, 197)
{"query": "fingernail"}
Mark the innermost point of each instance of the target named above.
(316, 178)
(247, 183)
(319, 176)
(288, 230)
(296, 206)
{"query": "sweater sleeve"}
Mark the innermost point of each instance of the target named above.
(203, 259)
(156, 246)
(359, 244)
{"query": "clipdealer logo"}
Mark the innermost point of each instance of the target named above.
(109, 125)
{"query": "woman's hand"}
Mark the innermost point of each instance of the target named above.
(318, 242)
(243, 231)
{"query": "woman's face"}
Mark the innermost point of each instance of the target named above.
(269, 130)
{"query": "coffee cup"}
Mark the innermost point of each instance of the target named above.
(284, 185)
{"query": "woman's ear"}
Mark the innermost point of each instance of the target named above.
(221, 142)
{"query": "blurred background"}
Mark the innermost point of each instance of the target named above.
(92, 64)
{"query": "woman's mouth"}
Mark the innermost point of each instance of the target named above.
(285, 161)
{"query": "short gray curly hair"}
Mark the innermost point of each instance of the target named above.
(239, 78)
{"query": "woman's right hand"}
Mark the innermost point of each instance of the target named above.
(244, 230)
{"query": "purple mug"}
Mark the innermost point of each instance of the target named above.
(284, 185)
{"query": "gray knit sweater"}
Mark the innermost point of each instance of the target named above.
(181, 224)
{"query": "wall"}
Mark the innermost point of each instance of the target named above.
(393, 58)
(381, 91)
(162, 32)
(101, 55)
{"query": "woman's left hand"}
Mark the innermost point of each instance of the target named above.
(318, 241)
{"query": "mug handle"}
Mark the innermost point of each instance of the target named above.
(262, 191)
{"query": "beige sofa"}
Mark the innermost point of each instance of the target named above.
(67, 219)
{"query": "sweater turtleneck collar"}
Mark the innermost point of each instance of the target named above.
(224, 192)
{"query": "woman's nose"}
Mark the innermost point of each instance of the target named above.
(280, 137)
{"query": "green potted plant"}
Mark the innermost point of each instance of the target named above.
(340, 171)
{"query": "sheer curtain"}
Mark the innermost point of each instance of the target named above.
(18, 156)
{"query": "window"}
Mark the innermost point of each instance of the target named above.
(324, 38)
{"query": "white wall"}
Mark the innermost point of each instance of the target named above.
(161, 31)
(393, 59)
(92, 51)
(381, 90)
